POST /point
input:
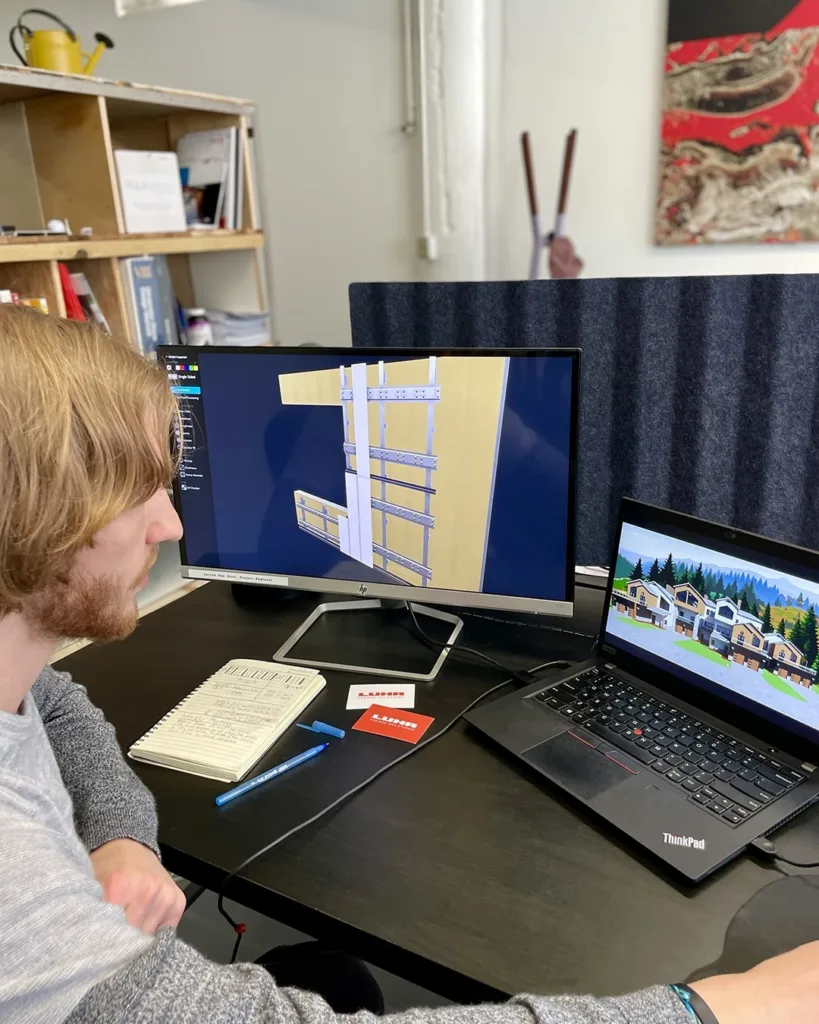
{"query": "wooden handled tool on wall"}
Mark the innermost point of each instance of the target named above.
(565, 181)
(563, 262)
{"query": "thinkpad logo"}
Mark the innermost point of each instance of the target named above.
(693, 844)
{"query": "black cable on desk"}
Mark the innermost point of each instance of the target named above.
(240, 928)
(796, 863)
(455, 648)
(767, 849)
(532, 624)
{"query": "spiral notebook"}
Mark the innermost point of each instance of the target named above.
(222, 729)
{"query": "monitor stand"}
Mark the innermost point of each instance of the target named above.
(332, 607)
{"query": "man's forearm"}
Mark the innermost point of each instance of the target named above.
(173, 984)
(109, 800)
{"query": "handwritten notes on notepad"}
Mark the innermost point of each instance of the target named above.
(222, 729)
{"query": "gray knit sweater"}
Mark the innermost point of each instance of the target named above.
(66, 956)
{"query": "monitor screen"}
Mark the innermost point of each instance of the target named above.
(722, 620)
(371, 472)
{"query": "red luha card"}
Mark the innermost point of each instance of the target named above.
(397, 725)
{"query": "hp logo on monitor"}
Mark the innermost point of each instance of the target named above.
(362, 590)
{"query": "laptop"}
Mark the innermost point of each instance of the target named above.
(694, 728)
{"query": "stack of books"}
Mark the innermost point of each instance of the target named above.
(150, 302)
(198, 186)
(210, 165)
(242, 329)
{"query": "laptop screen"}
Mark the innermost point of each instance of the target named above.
(740, 629)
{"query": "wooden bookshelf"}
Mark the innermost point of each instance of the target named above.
(16, 250)
(58, 134)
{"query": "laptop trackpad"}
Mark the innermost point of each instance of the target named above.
(576, 766)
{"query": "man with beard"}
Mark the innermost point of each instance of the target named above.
(87, 912)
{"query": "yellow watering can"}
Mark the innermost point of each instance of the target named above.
(55, 49)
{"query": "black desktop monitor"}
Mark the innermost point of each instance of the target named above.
(442, 477)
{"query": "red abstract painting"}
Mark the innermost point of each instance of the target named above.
(740, 132)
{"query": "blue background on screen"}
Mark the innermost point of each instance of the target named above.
(259, 452)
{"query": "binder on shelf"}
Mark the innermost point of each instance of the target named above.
(149, 302)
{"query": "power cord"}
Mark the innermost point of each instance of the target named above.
(545, 627)
(767, 850)
(524, 678)
(238, 927)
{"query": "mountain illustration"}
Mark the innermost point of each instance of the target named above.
(774, 590)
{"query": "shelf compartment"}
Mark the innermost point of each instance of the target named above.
(73, 161)
(37, 279)
(152, 132)
(104, 279)
(57, 161)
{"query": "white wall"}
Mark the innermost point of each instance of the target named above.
(327, 76)
(340, 183)
(596, 65)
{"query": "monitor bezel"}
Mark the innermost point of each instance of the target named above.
(776, 730)
(386, 591)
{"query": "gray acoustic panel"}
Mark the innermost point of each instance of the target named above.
(698, 393)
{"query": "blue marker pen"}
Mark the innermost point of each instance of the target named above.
(328, 730)
(280, 769)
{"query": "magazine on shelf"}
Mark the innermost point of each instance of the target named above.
(210, 165)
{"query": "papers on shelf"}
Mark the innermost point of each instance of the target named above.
(150, 190)
(239, 328)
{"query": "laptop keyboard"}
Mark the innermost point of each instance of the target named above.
(727, 778)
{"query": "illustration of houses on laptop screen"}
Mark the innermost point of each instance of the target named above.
(745, 627)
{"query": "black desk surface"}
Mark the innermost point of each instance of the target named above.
(456, 869)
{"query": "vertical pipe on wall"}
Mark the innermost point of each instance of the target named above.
(452, 104)
(410, 125)
(428, 243)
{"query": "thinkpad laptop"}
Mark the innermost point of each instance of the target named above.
(695, 728)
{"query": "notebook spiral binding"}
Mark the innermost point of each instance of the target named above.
(174, 709)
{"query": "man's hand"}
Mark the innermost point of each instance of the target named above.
(784, 990)
(563, 260)
(132, 878)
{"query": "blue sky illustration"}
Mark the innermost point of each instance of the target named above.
(635, 540)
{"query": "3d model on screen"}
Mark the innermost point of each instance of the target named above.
(420, 440)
